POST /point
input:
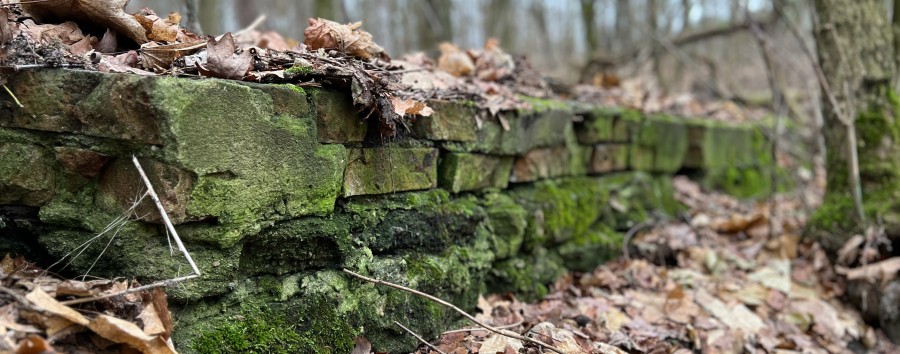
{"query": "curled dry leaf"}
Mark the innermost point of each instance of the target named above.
(121, 331)
(159, 29)
(106, 13)
(455, 61)
(322, 33)
(410, 107)
(222, 62)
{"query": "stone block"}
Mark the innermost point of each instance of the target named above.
(389, 169)
(527, 131)
(120, 185)
(451, 121)
(27, 174)
(460, 172)
(596, 126)
(337, 120)
(80, 162)
(541, 164)
(716, 145)
(660, 145)
(89, 103)
(608, 158)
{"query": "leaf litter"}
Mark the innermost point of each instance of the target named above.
(715, 282)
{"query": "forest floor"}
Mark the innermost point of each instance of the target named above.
(716, 281)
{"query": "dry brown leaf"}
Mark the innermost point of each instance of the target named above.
(158, 299)
(160, 57)
(222, 62)
(885, 270)
(493, 64)
(159, 29)
(362, 346)
(108, 43)
(33, 344)
(326, 34)
(121, 331)
(45, 302)
(82, 288)
(455, 61)
(410, 107)
(7, 28)
(106, 13)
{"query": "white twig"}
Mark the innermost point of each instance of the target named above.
(419, 338)
(158, 284)
(165, 217)
(501, 332)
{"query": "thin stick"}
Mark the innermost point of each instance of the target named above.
(419, 338)
(132, 290)
(501, 332)
(481, 329)
(13, 97)
(165, 217)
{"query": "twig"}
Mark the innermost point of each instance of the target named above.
(165, 217)
(258, 21)
(13, 96)
(158, 284)
(499, 331)
(419, 338)
(193, 18)
(628, 235)
(518, 323)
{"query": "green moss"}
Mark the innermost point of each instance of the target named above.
(255, 330)
(557, 210)
(538, 105)
(299, 70)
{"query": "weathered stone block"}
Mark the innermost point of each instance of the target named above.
(337, 120)
(541, 164)
(660, 145)
(451, 121)
(390, 169)
(608, 158)
(715, 145)
(251, 164)
(80, 162)
(27, 174)
(527, 131)
(90, 103)
(596, 126)
(287, 99)
(467, 172)
(120, 185)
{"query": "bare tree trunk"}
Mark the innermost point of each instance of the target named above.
(653, 26)
(856, 53)
(588, 15)
(685, 15)
(435, 23)
(623, 25)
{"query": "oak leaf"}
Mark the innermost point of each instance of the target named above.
(411, 107)
(222, 62)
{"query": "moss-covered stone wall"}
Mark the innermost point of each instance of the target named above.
(274, 189)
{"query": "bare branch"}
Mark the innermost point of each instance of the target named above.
(499, 331)
(419, 338)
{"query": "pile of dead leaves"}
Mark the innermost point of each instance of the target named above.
(719, 282)
(38, 314)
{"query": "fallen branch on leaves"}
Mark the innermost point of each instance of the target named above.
(499, 331)
(414, 334)
(886, 270)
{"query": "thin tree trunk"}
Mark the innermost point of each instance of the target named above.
(588, 15)
(856, 53)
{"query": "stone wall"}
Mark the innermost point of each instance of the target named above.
(274, 189)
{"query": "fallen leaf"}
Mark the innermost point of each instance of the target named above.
(106, 13)
(45, 302)
(33, 344)
(325, 34)
(362, 346)
(222, 62)
(159, 29)
(455, 61)
(410, 107)
(121, 331)
(497, 344)
(160, 57)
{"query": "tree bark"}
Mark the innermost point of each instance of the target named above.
(623, 25)
(588, 16)
(857, 56)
